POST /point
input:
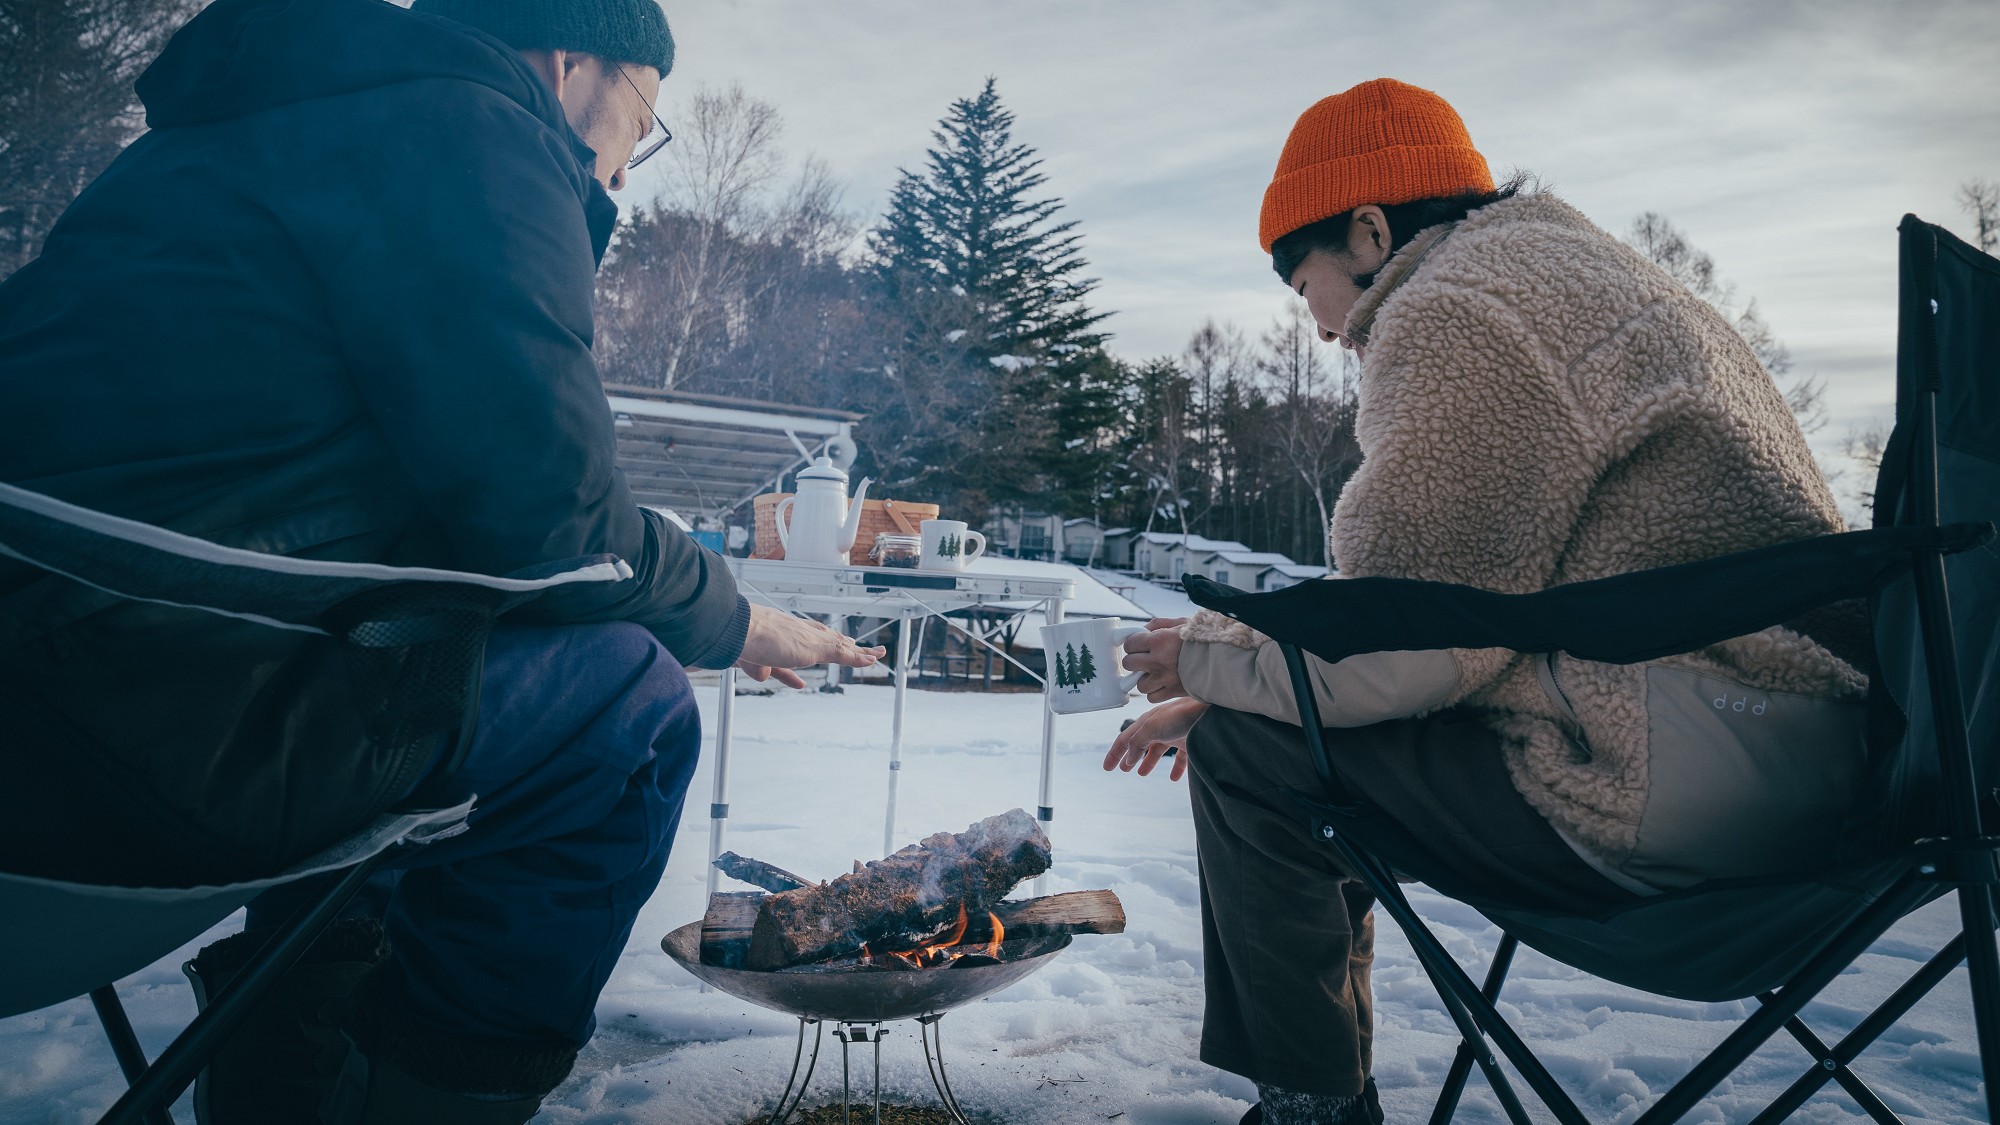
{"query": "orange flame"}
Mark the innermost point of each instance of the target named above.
(958, 931)
(945, 947)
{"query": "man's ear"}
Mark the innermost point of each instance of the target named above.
(1369, 238)
(554, 65)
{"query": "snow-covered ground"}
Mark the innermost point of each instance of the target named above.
(1109, 1032)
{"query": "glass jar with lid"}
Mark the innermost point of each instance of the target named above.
(900, 551)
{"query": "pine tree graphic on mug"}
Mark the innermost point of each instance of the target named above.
(1087, 670)
(1066, 667)
(948, 547)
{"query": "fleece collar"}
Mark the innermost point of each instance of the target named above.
(1400, 266)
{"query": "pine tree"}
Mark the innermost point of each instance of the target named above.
(66, 103)
(999, 385)
(1087, 671)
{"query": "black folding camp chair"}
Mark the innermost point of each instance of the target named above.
(1931, 572)
(413, 642)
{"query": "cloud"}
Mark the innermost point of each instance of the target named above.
(1787, 138)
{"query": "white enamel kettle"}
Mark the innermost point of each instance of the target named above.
(823, 522)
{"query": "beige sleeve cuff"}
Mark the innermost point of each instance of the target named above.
(1370, 688)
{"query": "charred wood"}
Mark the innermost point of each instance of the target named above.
(757, 873)
(726, 928)
(1072, 912)
(917, 890)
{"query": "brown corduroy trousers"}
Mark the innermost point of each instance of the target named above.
(1288, 935)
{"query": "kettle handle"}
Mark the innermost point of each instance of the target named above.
(778, 514)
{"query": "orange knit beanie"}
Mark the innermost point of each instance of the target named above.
(1383, 142)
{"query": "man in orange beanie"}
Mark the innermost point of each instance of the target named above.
(1538, 405)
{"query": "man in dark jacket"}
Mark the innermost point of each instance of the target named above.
(336, 304)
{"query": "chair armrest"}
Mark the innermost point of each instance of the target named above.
(127, 559)
(1620, 620)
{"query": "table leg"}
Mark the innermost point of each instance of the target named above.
(718, 808)
(896, 730)
(1046, 811)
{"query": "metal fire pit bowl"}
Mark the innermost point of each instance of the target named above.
(865, 995)
(859, 1001)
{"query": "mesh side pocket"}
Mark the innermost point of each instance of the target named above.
(413, 656)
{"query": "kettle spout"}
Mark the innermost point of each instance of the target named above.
(853, 525)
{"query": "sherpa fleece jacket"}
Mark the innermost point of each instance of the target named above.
(1539, 404)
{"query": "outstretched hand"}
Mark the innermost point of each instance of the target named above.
(1149, 738)
(778, 642)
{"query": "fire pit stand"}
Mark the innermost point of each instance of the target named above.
(858, 1002)
(929, 1030)
(849, 1033)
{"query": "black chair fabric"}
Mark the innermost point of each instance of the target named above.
(1620, 620)
(412, 638)
(1950, 341)
(1722, 940)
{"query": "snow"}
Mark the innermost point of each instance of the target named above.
(1196, 543)
(1154, 598)
(1110, 1030)
(1093, 598)
(1255, 558)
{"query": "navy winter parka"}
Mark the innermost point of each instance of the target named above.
(336, 303)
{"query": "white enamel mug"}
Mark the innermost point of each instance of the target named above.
(1085, 668)
(949, 545)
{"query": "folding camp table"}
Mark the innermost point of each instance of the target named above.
(901, 596)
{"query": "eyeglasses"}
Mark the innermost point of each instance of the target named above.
(659, 127)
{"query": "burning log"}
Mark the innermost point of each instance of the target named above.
(1072, 912)
(757, 873)
(919, 890)
(726, 928)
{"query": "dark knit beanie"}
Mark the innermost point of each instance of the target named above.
(625, 31)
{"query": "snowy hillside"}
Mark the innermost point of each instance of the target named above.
(1109, 1031)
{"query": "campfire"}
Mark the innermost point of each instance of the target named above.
(937, 904)
(911, 935)
(947, 949)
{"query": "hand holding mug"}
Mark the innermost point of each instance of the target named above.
(1155, 653)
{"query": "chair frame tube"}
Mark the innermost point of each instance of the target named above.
(1961, 800)
(1461, 1063)
(177, 1066)
(1865, 1033)
(1470, 1005)
(125, 1044)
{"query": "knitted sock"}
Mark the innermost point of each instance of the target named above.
(1289, 1107)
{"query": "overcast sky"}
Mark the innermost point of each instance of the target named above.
(1785, 138)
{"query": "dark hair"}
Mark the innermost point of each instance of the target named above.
(1406, 221)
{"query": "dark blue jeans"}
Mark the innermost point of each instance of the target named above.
(587, 739)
